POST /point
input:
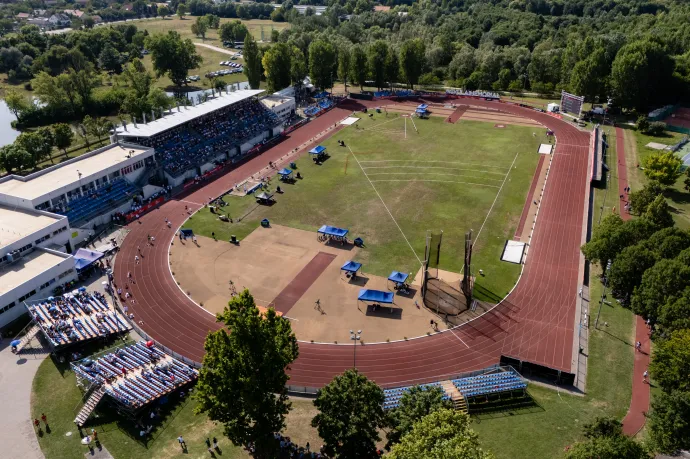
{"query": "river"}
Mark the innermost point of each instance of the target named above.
(7, 132)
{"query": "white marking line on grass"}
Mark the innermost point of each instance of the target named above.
(426, 161)
(440, 181)
(430, 173)
(415, 126)
(380, 124)
(434, 167)
(496, 198)
(405, 127)
(384, 204)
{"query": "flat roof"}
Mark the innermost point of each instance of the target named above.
(186, 114)
(16, 224)
(36, 185)
(30, 266)
(270, 101)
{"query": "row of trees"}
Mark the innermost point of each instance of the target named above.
(242, 384)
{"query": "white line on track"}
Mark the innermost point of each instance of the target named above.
(441, 181)
(496, 198)
(384, 205)
(452, 332)
(190, 202)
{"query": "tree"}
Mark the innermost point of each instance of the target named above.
(97, 127)
(670, 366)
(219, 85)
(233, 31)
(181, 10)
(358, 66)
(163, 11)
(157, 99)
(613, 235)
(350, 414)
(10, 59)
(298, 66)
(443, 434)
(661, 283)
(242, 383)
(275, 36)
(658, 213)
(616, 447)
(200, 27)
(675, 315)
(88, 21)
(628, 268)
(173, 56)
(16, 102)
(412, 60)
(377, 56)
(344, 64)
(62, 136)
(664, 167)
(37, 144)
(669, 421)
(640, 200)
(642, 124)
(252, 61)
(14, 158)
(321, 63)
(603, 427)
(212, 21)
(413, 406)
(110, 59)
(277, 66)
(463, 63)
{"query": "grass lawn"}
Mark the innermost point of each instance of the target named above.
(259, 28)
(447, 178)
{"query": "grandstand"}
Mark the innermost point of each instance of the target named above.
(190, 141)
(393, 396)
(76, 317)
(320, 107)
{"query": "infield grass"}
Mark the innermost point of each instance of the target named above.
(390, 184)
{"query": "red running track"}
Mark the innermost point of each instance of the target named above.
(534, 323)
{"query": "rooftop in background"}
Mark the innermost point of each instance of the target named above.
(28, 267)
(185, 114)
(36, 185)
(274, 99)
(18, 223)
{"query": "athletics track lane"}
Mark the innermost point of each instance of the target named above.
(534, 323)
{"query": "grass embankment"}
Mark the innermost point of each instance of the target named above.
(445, 178)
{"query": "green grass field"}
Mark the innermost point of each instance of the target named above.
(259, 28)
(446, 178)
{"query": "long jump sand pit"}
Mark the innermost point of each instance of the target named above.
(289, 269)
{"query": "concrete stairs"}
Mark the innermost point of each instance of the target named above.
(89, 406)
(458, 400)
(26, 339)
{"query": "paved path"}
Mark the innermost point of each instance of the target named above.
(639, 405)
(215, 48)
(17, 434)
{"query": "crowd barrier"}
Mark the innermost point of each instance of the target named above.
(130, 217)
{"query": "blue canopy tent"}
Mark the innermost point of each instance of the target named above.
(85, 258)
(186, 233)
(399, 280)
(317, 150)
(422, 107)
(376, 297)
(331, 232)
(350, 268)
(286, 175)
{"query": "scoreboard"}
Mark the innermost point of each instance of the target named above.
(570, 103)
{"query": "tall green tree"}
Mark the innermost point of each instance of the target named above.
(413, 406)
(322, 61)
(377, 56)
(641, 199)
(412, 60)
(62, 136)
(350, 414)
(252, 61)
(242, 383)
(344, 58)
(110, 59)
(670, 366)
(14, 158)
(605, 440)
(443, 434)
(661, 283)
(658, 212)
(200, 27)
(181, 10)
(16, 102)
(233, 31)
(675, 315)
(358, 66)
(173, 56)
(37, 144)
(664, 167)
(277, 63)
(613, 235)
(298, 66)
(669, 421)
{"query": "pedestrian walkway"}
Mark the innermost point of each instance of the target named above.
(17, 372)
(639, 405)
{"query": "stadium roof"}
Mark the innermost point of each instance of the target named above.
(28, 267)
(15, 224)
(185, 114)
(41, 183)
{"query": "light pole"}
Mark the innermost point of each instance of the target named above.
(355, 337)
(606, 283)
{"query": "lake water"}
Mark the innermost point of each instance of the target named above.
(7, 133)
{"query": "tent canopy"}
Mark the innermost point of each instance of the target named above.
(421, 111)
(187, 232)
(263, 195)
(333, 231)
(85, 258)
(285, 171)
(422, 107)
(351, 266)
(376, 296)
(317, 150)
(398, 277)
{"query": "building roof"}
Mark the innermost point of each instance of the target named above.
(382, 8)
(31, 265)
(23, 15)
(186, 114)
(41, 183)
(16, 224)
(273, 100)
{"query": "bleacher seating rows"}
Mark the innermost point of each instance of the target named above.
(204, 138)
(492, 383)
(393, 396)
(95, 201)
(398, 93)
(79, 317)
(136, 375)
(314, 109)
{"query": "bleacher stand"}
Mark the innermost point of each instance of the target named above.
(76, 316)
(393, 396)
(92, 202)
(321, 106)
(398, 93)
(136, 375)
(492, 383)
(204, 138)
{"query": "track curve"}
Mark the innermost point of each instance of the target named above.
(534, 323)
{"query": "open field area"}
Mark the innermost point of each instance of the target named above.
(260, 28)
(390, 185)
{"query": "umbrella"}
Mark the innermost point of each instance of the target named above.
(82, 289)
(14, 343)
(149, 343)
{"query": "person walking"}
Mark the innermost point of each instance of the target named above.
(183, 445)
(44, 419)
(644, 376)
(37, 424)
(215, 443)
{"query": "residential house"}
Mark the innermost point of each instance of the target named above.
(23, 16)
(382, 9)
(59, 20)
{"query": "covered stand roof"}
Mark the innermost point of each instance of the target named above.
(398, 277)
(351, 266)
(376, 296)
(317, 150)
(333, 231)
(84, 258)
